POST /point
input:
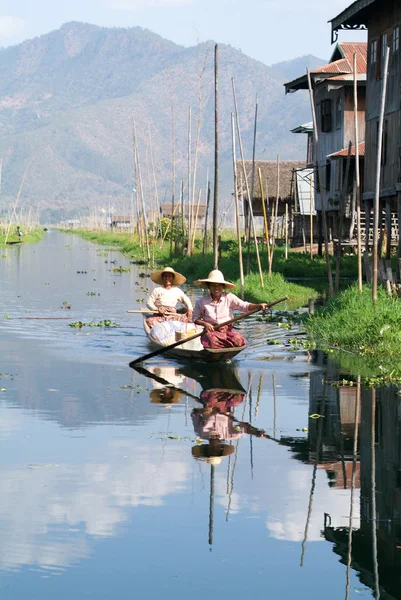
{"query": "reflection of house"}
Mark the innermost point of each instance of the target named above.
(385, 403)
(334, 104)
(73, 223)
(382, 18)
(278, 180)
(120, 222)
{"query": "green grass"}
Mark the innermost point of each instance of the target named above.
(371, 332)
(30, 237)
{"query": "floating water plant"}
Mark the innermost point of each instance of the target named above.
(104, 323)
(121, 270)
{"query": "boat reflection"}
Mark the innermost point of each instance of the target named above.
(214, 421)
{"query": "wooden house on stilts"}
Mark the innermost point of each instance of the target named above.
(382, 19)
(333, 98)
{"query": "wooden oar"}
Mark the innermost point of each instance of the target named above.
(216, 327)
(144, 311)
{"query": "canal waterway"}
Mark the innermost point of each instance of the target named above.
(242, 479)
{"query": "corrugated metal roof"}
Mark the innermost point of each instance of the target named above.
(344, 152)
(305, 128)
(345, 65)
(339, 69)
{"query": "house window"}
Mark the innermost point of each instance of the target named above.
(339, 113)
(337, 182)
(396, 39)
(384, 44)
(373, 52)
(328, 176)
(326, 115)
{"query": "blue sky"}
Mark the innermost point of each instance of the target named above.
(267, 30)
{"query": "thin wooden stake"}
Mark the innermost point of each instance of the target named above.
(216, 158)
(247, 187)
(357, 177)
(265, 221)
(376, 206)
(320, 185)
(237, 223)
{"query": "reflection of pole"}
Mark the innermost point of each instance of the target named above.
(318, 444)
(259, 394)
(236, 452)
(211, 504)
(274, 406)
(250, 437)
(373, 490)
(354, 461)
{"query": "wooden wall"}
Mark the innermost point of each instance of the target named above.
(382, 23)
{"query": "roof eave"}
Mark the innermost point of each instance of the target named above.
(301, 83)
(353, 17)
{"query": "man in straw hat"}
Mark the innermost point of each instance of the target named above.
(164, 299)
(217, 307)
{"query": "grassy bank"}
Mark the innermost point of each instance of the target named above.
(30, 237)
(372, 333)
(198, 266)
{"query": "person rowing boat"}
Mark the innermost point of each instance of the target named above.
(217, 307)
(164, 299)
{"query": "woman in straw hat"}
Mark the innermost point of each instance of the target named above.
(164, 299)
(217, 307)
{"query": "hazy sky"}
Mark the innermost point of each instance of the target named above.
(268, 30)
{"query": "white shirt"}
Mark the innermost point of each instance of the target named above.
(168, 297)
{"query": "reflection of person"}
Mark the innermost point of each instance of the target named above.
(164, 299)
(217, 307)
(216, 424)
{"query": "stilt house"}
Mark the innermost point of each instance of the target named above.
(382, 19)
(333, 99)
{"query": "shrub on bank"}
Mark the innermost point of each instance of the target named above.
(351, 322)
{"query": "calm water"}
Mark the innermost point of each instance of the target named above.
(109, 491)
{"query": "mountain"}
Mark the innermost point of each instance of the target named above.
(291, 69)
(67, 100)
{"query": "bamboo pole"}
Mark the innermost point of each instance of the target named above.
(357, 178)
(275, 217)
(376, 206)
(196, 217)
(145, 220)
(373, 488)
(248, 259)
(216, 157)
(320, 186)
(190, 200)
(265, 221)
(247, 186)
(353, 476)
(205, 238)
(286, 230)
(341, 220)
(199, 125)
(311, 218)
(237, 223)
(173, 167)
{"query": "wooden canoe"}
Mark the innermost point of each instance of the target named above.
(205, 354)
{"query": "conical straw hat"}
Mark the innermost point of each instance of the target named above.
(215, 276)
(157, 276)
